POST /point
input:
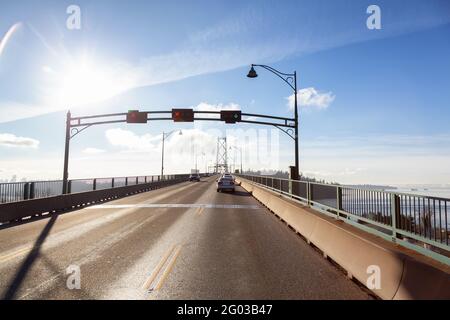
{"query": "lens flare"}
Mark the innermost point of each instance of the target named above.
(8, 35)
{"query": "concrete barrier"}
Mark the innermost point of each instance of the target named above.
(261, 195)
(359, 257)
(422, 281)
(276, 204)
(246, 186)
(362, 255)
(301, 220)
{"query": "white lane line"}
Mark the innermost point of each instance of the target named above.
(175, 205)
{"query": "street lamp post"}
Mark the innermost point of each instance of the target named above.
(291, 80)
(240, 151)
(164, 136)
(206, 162)
(66, 155)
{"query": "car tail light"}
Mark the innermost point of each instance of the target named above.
(220, 183)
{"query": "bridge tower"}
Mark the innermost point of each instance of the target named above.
(222, 156)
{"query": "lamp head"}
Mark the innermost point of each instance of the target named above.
(252, 73)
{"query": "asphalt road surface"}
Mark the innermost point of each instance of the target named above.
(185, 241)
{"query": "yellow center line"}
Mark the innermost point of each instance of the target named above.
(15, 254)
(158, 268)
(169, 268)
(200, 210)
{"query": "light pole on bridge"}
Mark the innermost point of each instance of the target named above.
(66, 154)
(240, 151)
(164, 136)
(291, 80)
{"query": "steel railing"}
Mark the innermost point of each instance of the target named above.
(19, 191)
(418, 222)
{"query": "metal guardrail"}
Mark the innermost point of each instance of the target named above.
(19, 210)
(421, 223)
(19, 191)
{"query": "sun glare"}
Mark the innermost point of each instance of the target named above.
(81, 82)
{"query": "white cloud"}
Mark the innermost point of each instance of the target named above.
(47, 69)
(93, 151)
(10, 111)
(333, 174)
(189, 142)
(11, 140)
(130, 141)
(260, 147)
(204, 106)
(311, 98)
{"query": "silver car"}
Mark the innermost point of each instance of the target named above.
(225, 184)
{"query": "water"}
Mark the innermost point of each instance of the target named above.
(371, 205)
(440, 192)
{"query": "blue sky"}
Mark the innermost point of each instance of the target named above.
(375, 103)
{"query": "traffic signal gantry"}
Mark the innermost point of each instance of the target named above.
(231, 116)
(184, 115)
(135, 116)
(75, 125)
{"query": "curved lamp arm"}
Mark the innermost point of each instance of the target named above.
(289, 78)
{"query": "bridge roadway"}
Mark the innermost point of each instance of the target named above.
(185, 241)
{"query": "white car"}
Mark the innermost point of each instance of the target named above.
(225, 184)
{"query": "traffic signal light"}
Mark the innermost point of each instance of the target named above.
(183, 115)
(135, 116)
(231, 116)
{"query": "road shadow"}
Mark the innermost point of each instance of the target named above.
(73, 294)
(26, 265)
(242, 193)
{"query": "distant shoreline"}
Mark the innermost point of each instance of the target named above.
(371, 187)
